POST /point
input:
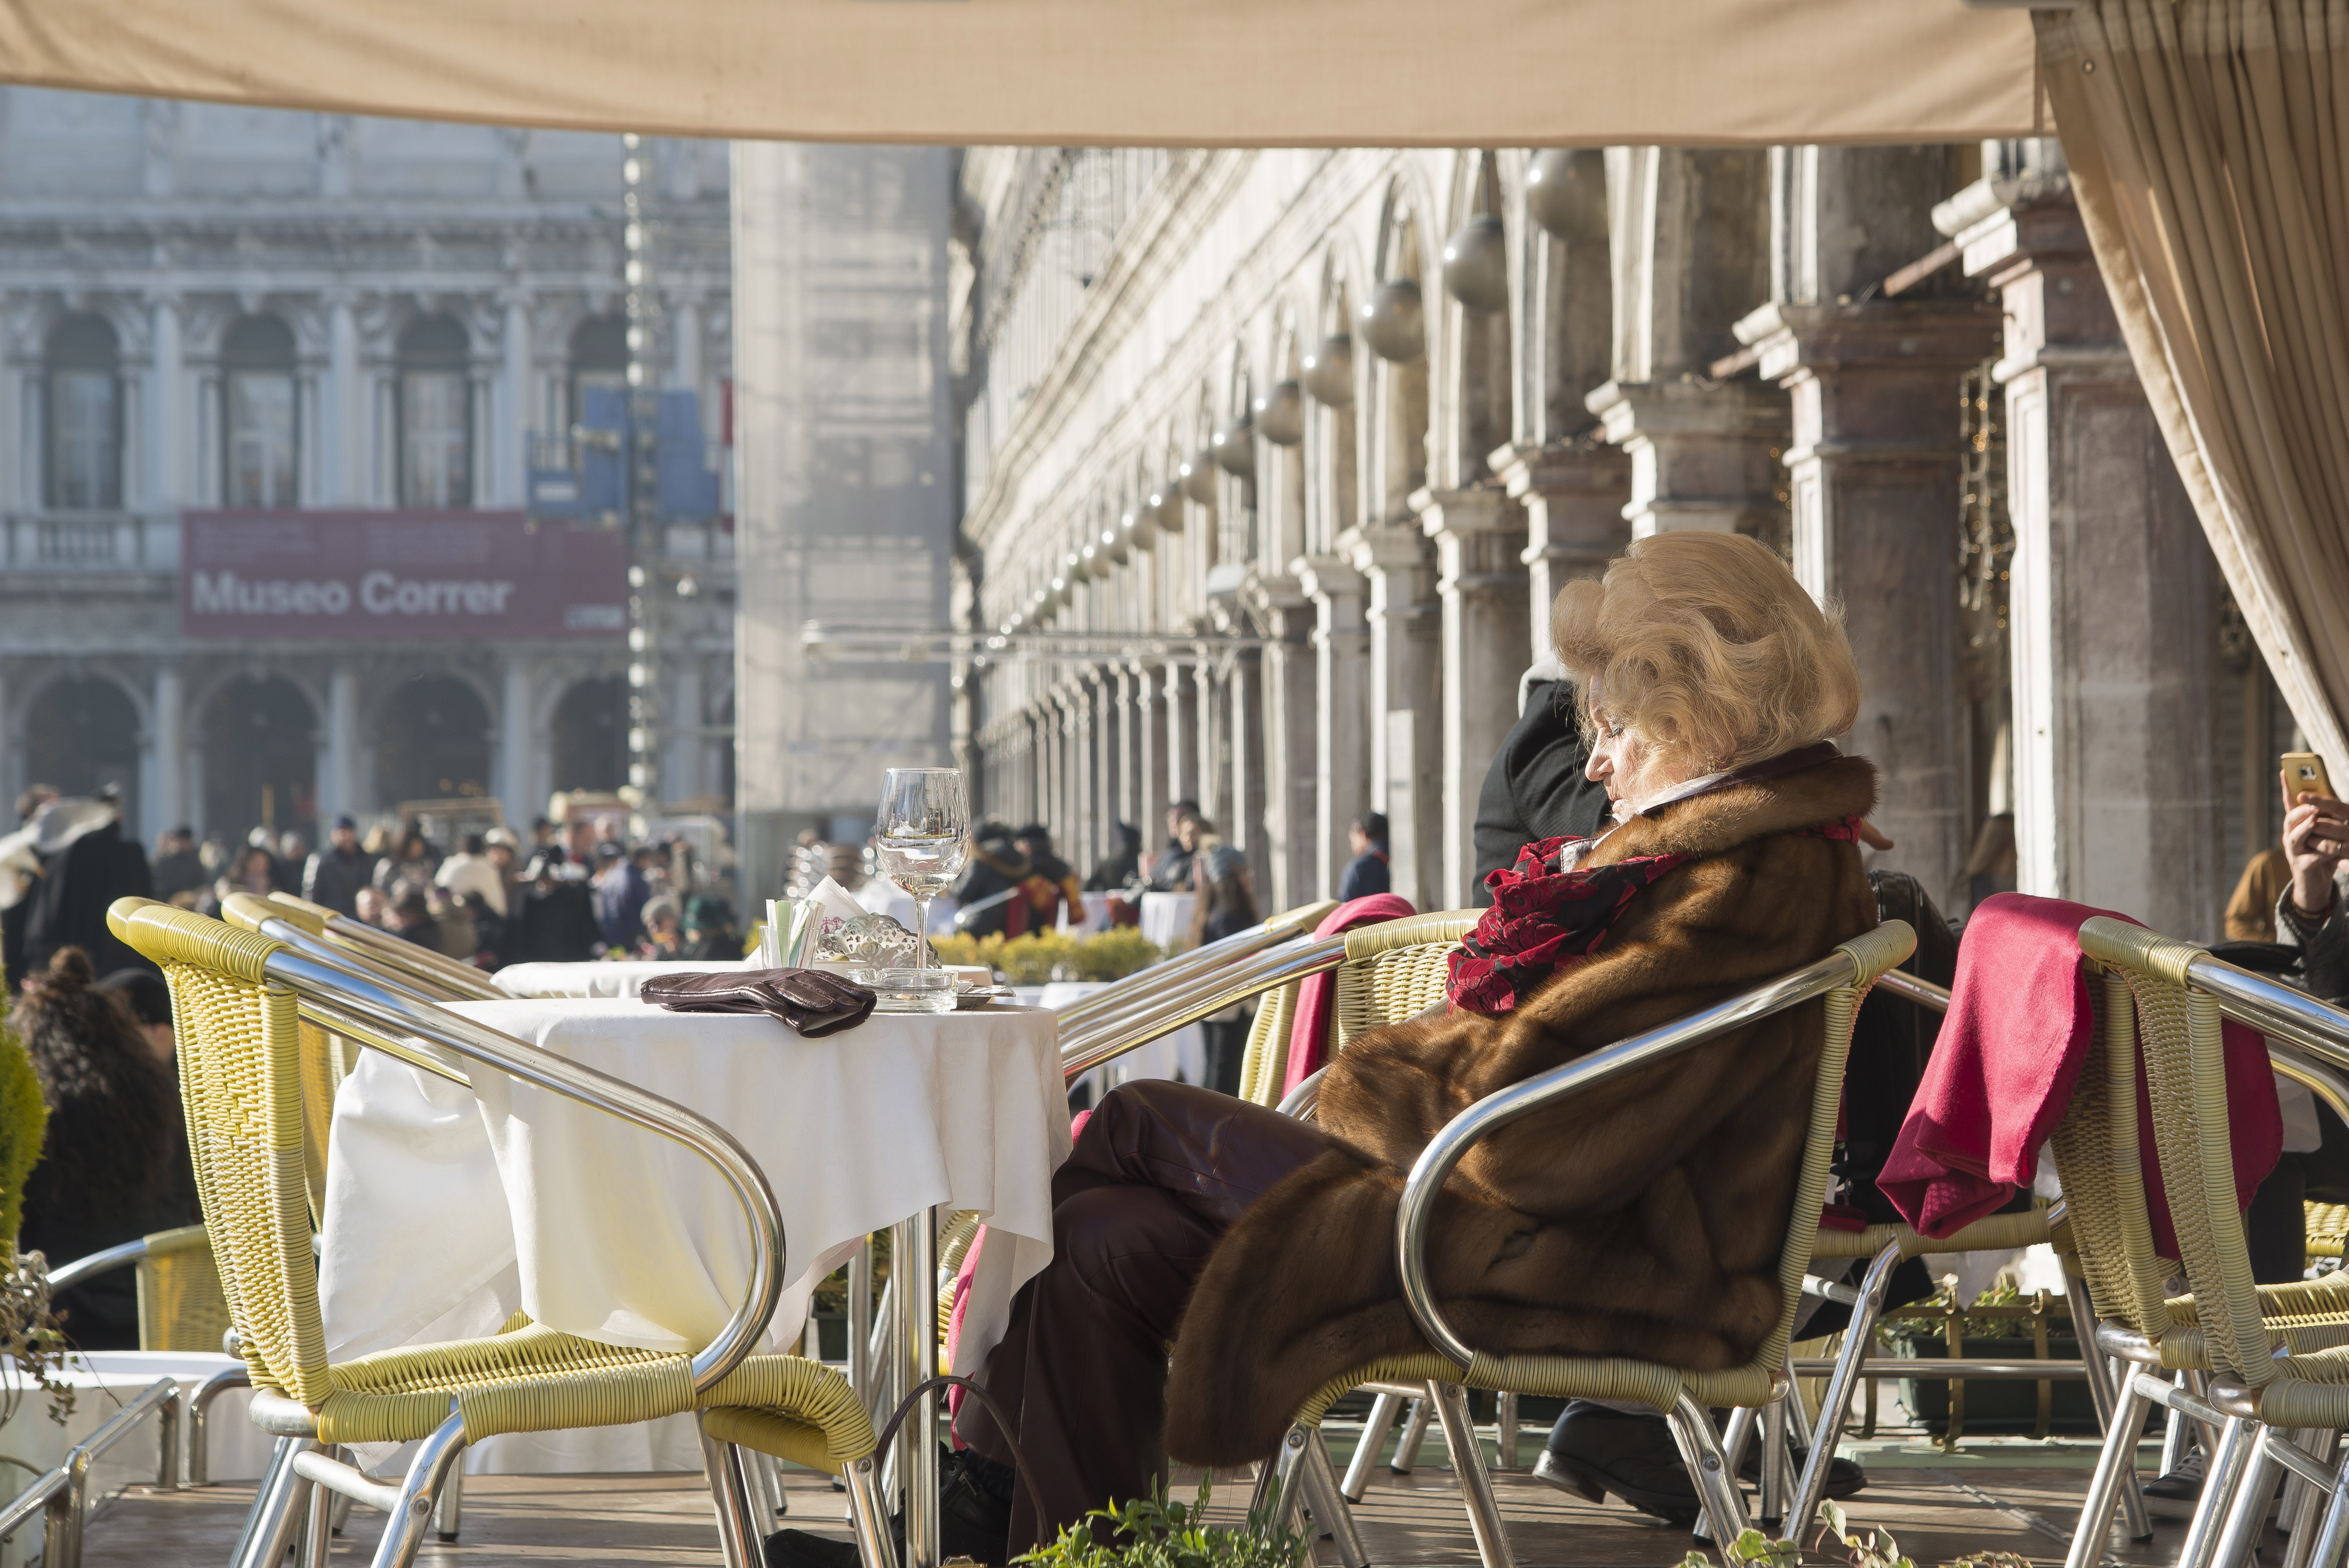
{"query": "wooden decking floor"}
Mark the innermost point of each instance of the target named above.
(1937, 1513)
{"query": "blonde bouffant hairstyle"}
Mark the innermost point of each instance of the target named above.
(1708, 647)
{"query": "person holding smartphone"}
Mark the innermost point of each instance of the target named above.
(2315, 842)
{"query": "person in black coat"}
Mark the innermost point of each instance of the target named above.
(557, 921)
(114, 1163)
(91, 866)
(1535, 789)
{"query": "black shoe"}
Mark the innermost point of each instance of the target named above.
(1845, 1477)
(2175, 1495)
(974, 1520)
(1593, 1451)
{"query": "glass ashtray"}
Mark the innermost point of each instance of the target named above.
(908, 990)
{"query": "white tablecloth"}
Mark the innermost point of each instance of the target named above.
(1096, 912)
(1182, 1055)
(448, 1211)
(1166, 919)
(618, 978)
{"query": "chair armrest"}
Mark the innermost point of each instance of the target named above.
(1856, 963)
(1125, 994)
(1089, 1045)
(91, 1265)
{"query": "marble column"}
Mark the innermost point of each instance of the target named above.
(1874, 467)
(342, 463)
(1574, 495)
(1480, 578)
(1206, 773)
(1287, 767)
(1701, 456)
(1084, 792)
(1405, 622)
(1342, 708)
(1149, 753)
(167, 446)
(164, 790)
(519, 787)
(2118, 776)
(339, 788)
(1244, 818)
(512, 434)
(682, 737)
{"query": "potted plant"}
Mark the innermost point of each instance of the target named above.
(1153, 1532)
(2002, 1325)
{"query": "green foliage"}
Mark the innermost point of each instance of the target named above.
(24, 1120)
(1878, 1551)
(1037, 958)
(1152, 1532)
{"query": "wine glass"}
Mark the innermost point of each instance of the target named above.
(924, 833)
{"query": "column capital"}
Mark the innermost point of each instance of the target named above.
(1561, 468)
(1632, 411)
(1935, 337)
(1325, 577)
(1381, 547)
(1448, 515)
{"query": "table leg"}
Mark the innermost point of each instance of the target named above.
(913, 1271)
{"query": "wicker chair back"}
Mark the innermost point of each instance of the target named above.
(182, 1305)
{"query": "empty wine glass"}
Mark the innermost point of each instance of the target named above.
(924, 833)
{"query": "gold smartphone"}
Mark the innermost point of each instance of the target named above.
(2304, 774)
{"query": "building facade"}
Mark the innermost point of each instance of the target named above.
(348, 326)
(1273, 461)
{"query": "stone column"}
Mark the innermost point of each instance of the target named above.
(1341, 707)
(1244, 818)
(1179, 728)
(1084, 762)
(343, 468)
(1405, 700)
(518, 784)
(1109, 744)
(167, 449)
(1205, 772)
(1701, 457)
(2119, 783)
(1481, 579)
(1148, 716)
(1874, 466)
(1574, 496)
(339, 790)
(1286, 723)
(164, 790)
(512, 488)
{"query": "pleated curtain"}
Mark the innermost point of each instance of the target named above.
(2209, 145)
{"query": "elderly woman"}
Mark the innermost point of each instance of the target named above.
(1642, 1219)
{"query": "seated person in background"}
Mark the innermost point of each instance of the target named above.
(114, 1163)
(1536, 787)
(987, 895)
(471, 869)
(1122, 869)
(1645, 1220)
(1050, 885)
(2309, 910)
(664, 930)
(1226, 905)
(2251, 913)
(1366, 873)
(150, 1001)
(489, 933)
(557, 922)
(1171, 871)
(337, 872)
(454, 920)
(711, 933)
(368, 905)
(412, 917)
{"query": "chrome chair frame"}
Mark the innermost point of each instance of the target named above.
(1130, 994)
(62, 1495)
(417, 1031)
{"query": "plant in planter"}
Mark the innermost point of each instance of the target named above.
(1046, 956)
(32, 1345)
(2002, 1325)
(1876, 1549)
(1153, 1532)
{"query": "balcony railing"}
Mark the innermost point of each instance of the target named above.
(90, 542)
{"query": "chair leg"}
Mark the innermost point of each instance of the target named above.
(1504, 1430)
(448, 1515)
(1774, 1458)
(2305, 1523)
(317, 1535)
(1320, 1484)
(1414, 1432)
(740, 1540)
(1834, 1405)
(2104, 1375)
(2118, 1456)
(269, 1527)
(1467, 1453)
(411, 1513)
(1716, 1488)
(1383, 1410)
(2174, 1435)
(866, 1516)
(2332, 1535)
(2247, 1515)
(2220, 1479)
(1278, 1487)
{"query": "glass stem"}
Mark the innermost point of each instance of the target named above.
(921, 933)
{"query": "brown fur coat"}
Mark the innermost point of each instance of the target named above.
(1642, 1218)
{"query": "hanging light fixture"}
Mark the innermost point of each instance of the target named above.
(1477, 264)
(1394, 322)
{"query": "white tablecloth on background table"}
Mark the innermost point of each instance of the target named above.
(621, 978)
(446, 1210)
(1096, 913)
(1181, 1055)
(882, 897)
(1166, 919)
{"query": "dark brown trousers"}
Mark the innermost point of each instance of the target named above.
(1157, 1175)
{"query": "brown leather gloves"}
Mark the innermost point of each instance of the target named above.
(811, 1001)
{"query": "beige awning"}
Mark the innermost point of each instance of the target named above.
(1146, 72)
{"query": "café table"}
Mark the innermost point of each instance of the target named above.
(448, 1210)
(1166, 919)
(617, 977)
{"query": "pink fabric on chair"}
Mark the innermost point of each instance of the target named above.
(1317, 998)
(2009, 1057)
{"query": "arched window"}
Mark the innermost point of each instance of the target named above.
(84, 472)
(599, 359)
(257, 370)
(436, 416)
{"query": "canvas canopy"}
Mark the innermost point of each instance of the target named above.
(1382, 73)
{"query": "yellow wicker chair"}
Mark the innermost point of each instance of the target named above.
(181, 1304)
(238, 1000)
(2280, 1354)
(1839, 982)
(1389, 972)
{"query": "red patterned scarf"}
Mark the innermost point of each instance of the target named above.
(1543, 919)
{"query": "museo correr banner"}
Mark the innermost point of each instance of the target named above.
(372, 577)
